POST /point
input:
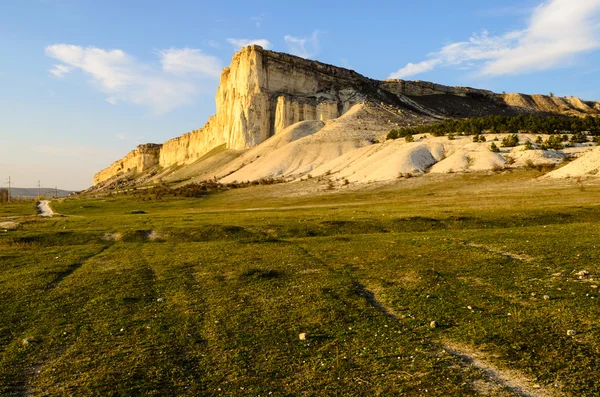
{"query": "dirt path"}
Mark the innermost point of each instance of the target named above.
(494, 381)
(44, 208)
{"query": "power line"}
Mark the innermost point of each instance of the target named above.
(9, 190)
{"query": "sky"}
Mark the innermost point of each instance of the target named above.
(82, 82)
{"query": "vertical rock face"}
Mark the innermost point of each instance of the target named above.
(423, 88)
(142, 158)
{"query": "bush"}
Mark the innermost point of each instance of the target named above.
(494, 148)
(553, 142)
(511, 140)
(539, 140)
(528, 145)
(409, 138)
(579, 137)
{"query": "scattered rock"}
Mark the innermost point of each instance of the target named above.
(571, 332)
(582, 273)
(594, 286)
(8, 225)
(28, 341)
(546, 298)
(470, 307)
(433, 324)
(303, 336)
(160, 300)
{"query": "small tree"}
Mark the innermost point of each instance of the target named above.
(553, 142)
(393, 134)
(494, 148)
(528, 145)
(511, 140)
(409, 138)
(539, 140)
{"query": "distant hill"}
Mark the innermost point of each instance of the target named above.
(33, 192)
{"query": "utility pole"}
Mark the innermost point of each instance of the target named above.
(55, 192)
(9, 192)
(39, 195)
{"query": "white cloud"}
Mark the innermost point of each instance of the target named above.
(124, 79)
(60, 70)
(558, 31)
(305, 47)
(240, 43)
(188, 60)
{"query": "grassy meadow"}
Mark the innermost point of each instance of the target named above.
(125, 296)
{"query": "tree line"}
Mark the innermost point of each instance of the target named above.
(531, 123)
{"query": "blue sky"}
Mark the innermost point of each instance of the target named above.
(82, 82)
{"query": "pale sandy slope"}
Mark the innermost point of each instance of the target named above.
(393, 159)
(220, 162)
(348, 149)
(587, 165)
(355, 129)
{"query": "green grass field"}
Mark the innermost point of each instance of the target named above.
(123, 296)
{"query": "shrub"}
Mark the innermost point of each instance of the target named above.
(409, 138)
(579, 137)
(529, 164)
(510, 140)
(528, 145)
(553, 142)
(539, 140)
(497, 168)
(494, 148)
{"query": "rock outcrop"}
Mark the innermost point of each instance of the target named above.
(141, 159)
(264, 92)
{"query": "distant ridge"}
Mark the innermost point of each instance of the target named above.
(33, 192)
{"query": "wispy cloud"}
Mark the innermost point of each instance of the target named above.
(124, 79)
(60, 70)
(558, 31)
(214, 44)
(239, 43)
(305, 47)
(258, 20)
(505, 11)
(188, 60)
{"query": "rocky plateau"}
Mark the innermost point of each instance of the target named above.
(278, 115)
